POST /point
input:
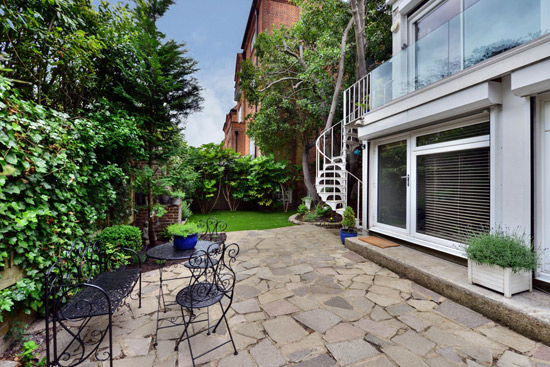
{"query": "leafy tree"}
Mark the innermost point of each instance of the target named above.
(302, 69)
(158, 88)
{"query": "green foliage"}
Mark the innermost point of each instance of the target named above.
(183, 229)
(185, 210)
(348, 219)
(311, 217)
(507, 250)
(267, 177)
(244, 220)
(302, 209)
(55, 190)
(29, 355)
(122, 236)
(323, 210)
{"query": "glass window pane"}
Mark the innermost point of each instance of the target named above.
(453, 194)
(469, 131)
(392, 184)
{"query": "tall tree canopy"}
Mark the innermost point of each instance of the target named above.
(302, 70)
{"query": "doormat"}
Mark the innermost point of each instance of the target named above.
(378, 242)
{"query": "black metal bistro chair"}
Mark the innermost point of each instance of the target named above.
(212, 282)
(212, 229)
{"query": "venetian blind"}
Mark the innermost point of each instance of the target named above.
(453, 193)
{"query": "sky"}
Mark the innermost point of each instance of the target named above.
(212, 31)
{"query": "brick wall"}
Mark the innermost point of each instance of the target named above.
(173, 215)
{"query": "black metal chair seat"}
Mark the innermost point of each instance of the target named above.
(92, 302)
(200, 295)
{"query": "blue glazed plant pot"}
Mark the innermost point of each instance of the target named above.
(345, 234)
(186, 243)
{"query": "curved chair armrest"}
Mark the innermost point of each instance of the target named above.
(135, 253)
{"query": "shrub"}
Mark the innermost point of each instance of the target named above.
(182, 229)
(311, 217)
(507, 250)
(302, 209)
(348, 220)
(122, 236)
(322, 210)
(185, 210)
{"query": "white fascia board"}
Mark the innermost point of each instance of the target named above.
(532, 79)
(495, 67)
(460, 103)
(407, 5)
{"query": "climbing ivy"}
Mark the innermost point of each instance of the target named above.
(57, 185)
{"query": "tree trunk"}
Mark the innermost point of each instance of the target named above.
(311, 191)
(358, 16)
(338, 85)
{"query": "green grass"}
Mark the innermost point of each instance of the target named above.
(247, 220)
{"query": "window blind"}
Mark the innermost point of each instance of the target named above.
(453, 193)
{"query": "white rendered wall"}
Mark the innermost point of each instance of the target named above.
(512, 157)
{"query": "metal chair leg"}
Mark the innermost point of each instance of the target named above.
(229, 330)
(184, 330)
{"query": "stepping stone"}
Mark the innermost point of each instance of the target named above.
(266, 355)
(352, 351)
(319, 320)
(284, 329)
(461, 314)
(281, 307)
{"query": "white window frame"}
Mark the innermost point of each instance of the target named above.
(409, 233)
(542, 182)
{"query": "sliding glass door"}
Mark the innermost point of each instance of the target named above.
(434, 185)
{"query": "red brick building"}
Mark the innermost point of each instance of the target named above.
(264, 14)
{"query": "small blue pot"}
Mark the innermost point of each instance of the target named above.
(186, 243)
(345, 234)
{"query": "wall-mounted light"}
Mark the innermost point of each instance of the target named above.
(357, 151)
(395, 27)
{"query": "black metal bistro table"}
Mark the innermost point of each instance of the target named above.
(167, 252)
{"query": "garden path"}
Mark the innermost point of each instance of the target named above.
(302, 299)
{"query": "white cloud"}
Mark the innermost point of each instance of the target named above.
(207, 125)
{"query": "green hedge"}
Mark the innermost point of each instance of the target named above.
(122, 236)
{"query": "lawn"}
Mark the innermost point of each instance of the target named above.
(247, 220)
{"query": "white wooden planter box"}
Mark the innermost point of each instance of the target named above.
(502, 280)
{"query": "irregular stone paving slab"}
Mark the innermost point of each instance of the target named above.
(352, 351)
(509, 338)
(377, 328)
(350, 255)
(266, 355)
(511, 359)
(383, 301)
(374, 340)
(338, 302)
(399, 309)
(380, 361)
(343, 332)
(247, 306)
(300, 355)
(542, 352)
(318, 320)
(378, 314)
(414, 342)
(300, 269)
(414, 322)
(284, 329)
(275, 295)
(133, 362)
(443, 337)
(461, 314)
(422, 305)
(136, 347)
(326, 271)
(322, 360)
(246, 291)
(483, 356)
(252, 330)
(403, 357)
(281, 307)
(449, 354)
(243, 359)
(403, 285)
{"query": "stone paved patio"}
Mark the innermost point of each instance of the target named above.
(302, 299)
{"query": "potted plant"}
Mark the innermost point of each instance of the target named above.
(307, 201)
(348, 225)
(501, 261)
(185, 235)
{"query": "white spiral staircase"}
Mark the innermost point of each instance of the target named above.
(334, 145)
(332, 178)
